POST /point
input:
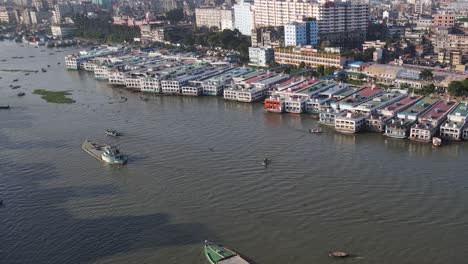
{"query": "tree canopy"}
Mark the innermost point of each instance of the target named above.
(458, 88)
(426, 75)
(175, 15)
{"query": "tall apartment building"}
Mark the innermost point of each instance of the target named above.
(281, 12)
(301, 33)
(219, 17)
(341, 23)
(243, 17)
(445, 20)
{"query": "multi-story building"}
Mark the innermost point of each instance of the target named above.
(343, 23)
(452, 57)
(243, 17)
(301, 33)
(151, 33)
(444, 20)
(260, 56)
(214, 17)
(310, 57)
(281, 12)
(449, 38)
(267, 37)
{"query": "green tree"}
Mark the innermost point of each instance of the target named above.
(301, 65)
(404, 86)
(426, 75)
(321, 70)
(175, 15)
(458, 88)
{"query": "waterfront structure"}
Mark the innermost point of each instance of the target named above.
(321, 100)
(215, 86)
(260, 56)
(215, 17)
(310, 57)
(376, 121)
(453, 128)
(429, 123)
(304, 33)
(291, 96)
(328, 114)
(355, 119)
(357, 98)
(243, 17)
(350, 122)
(254, 88)
(399, 126)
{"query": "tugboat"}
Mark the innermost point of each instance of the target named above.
(113, 133)
(112, 155)
(217, 254)
(21, 94)
(315, 130)
(436, 141)
(104, 153)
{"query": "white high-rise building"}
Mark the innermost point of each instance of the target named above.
(301, 33)
(243, 17)
(340, 22)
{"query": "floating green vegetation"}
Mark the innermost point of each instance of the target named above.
(57, 97)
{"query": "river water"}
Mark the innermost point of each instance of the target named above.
(194, 173)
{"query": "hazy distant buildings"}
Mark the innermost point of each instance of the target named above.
(214, 17)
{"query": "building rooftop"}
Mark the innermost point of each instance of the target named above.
(439, 110)
(400, 105)
(419, 107)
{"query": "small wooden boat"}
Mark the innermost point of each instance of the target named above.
(15, 80)
(338, 254)
(315, 130)
(436, 141)
(43, 70)
(113, 133)
(144, 98)
(266, 162)
(15, 87)
(21, 94)
(4, 107)
(217, 254)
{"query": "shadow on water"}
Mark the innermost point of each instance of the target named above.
(37, 227)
